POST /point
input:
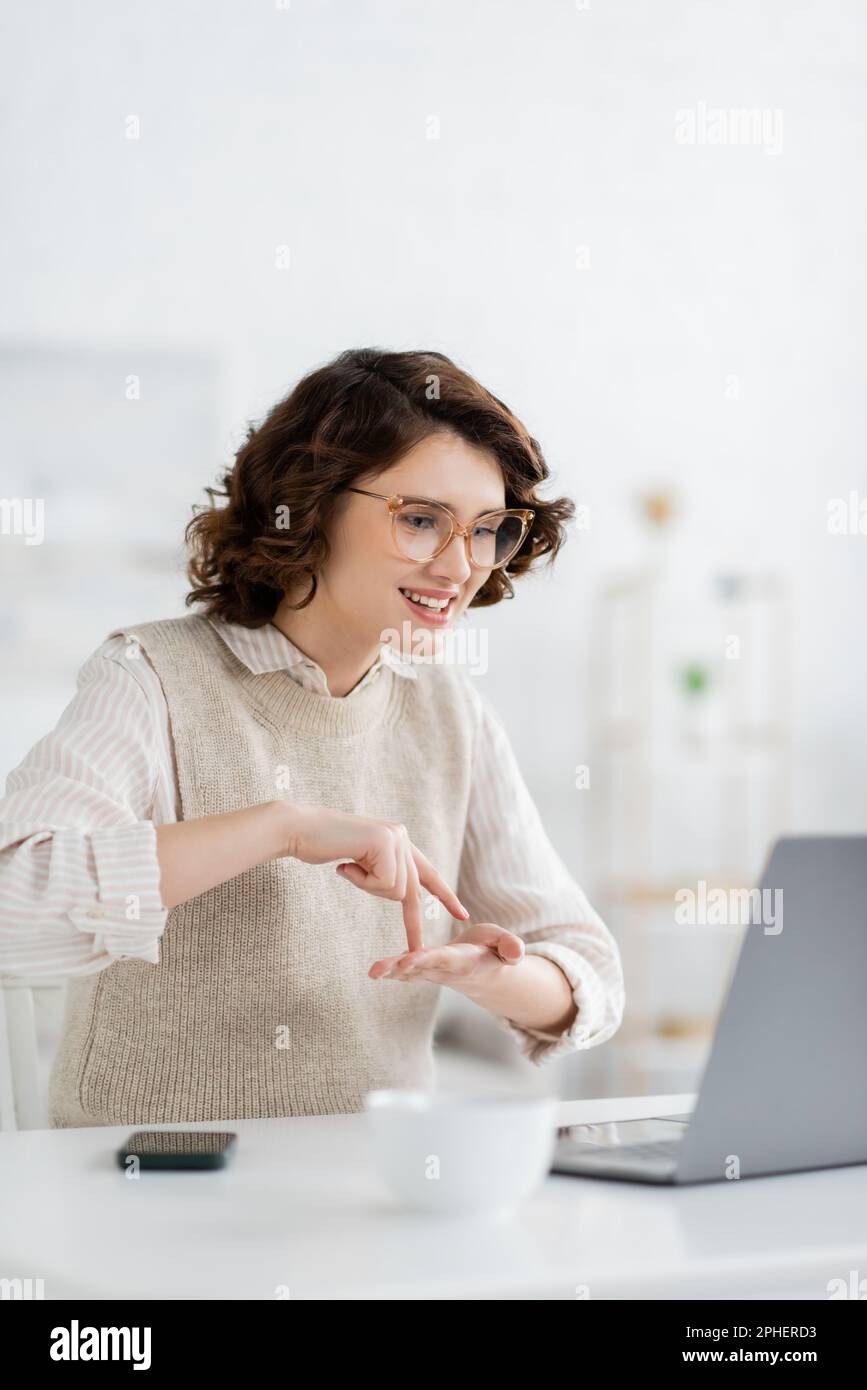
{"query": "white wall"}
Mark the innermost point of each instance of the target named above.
(307, 127)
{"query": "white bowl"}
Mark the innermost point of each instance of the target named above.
(453, 1152)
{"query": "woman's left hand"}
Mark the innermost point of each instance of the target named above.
(463, 962)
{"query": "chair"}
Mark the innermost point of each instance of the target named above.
(25, 1004)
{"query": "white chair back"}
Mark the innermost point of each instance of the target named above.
(31, 1014)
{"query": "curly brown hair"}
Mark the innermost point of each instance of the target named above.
(357, 415)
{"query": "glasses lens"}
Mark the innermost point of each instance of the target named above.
(496, 538)
(420, 530)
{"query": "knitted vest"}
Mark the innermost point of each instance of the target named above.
(261, 1004)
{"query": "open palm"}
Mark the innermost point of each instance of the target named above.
(469, 956)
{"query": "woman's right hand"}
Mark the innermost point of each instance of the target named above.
(385, 862)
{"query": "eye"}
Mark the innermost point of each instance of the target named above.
(417, 521)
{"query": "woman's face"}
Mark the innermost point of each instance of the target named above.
(366, 575)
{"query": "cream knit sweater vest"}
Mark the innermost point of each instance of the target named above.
(261, 1004)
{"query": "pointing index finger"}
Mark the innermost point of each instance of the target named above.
(438, 886)
(412, 907)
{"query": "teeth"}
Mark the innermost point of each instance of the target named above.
(437, 603)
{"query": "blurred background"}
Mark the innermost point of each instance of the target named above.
(641, 226)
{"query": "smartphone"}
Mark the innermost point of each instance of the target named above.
(178, 1148)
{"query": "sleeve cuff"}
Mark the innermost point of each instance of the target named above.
(596, 1020)
(128, 917)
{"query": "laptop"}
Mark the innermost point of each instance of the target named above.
(782, 1089)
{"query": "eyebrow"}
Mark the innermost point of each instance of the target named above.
(439, 502)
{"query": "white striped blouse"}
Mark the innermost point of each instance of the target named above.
(77, 827)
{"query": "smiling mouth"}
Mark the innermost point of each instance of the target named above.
(429, 606)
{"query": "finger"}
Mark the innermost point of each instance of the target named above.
(413, 957)
(400, 858)
(508, 946)
(380, 878)
(404, 965)
(382, 967)
(354, 873)
(386, 865)
(412, 905)
(438, 886)
(432, 958)
(413, 965)
(510, 949)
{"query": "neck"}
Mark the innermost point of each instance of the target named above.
(343, 655)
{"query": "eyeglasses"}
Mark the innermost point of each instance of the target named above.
(423, 529)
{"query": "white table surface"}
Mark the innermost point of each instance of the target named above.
(301, 1209)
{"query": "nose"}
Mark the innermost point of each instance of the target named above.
(452, 564)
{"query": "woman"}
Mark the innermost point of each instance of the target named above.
(166, 845)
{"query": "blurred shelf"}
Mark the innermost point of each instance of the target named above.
(659, 1051)
(619, 737)
(649, 894)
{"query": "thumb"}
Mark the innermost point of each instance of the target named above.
(508, 946)
(353, 872)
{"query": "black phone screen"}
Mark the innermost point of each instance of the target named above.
(178, 1148)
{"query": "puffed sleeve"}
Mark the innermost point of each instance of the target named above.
(79, 874)
(511, 875)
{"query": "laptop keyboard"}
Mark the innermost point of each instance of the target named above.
(658, 1148)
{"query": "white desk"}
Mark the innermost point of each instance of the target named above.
(300, 1206)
